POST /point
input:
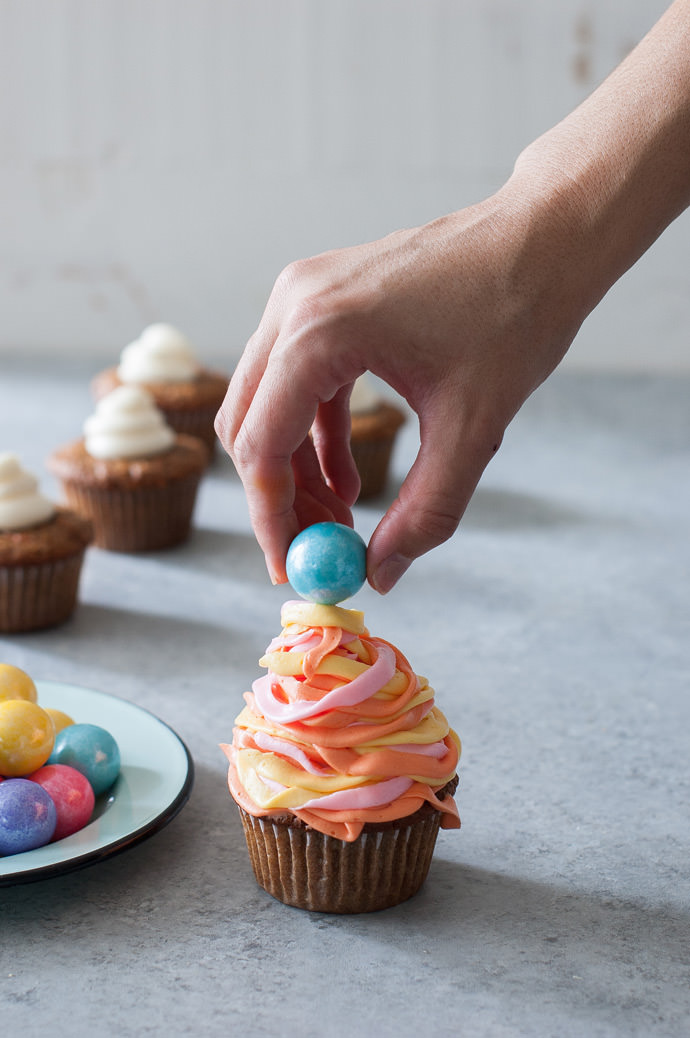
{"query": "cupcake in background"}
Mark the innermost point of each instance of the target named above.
(131, 474)
(375, 425)
(41, 553)
(164, 362)
(342, 766)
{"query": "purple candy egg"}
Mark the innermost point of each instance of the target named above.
(27, 816)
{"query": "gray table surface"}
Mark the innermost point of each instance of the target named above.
(555, 628)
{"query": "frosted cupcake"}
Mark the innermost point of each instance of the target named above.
(131, 474)
(375, 425)
(164, 362)
(41, 553)
(342, 766)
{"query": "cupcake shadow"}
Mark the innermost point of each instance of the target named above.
(528, 920)
(235, 555)
(107, 638)
(498, 510)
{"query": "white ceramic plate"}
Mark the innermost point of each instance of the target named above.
(155, 781)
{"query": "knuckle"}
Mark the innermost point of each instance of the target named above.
(244, 450)
(221, 427)
(434, 525)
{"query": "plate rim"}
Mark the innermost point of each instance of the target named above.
(125, 841)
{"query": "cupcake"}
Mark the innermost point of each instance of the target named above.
(131, 475)
(163, 361)
(375, 425)
(41, 553)
(341, 765)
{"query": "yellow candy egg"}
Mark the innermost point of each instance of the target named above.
(60, 720)
(16, 684)
(26, 737)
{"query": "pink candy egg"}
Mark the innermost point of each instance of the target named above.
(71, 793)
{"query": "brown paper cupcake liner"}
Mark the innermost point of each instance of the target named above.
(137, 518)
(38, 595)
(197, 423)
(307, 869)
(372, 458)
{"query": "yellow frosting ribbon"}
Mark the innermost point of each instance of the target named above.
(310, 614)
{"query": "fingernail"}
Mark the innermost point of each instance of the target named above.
(275, 576)
(389, 572)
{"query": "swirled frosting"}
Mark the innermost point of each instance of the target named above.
(160, 354)
(340, 731)
(21, 504)
(127, 424)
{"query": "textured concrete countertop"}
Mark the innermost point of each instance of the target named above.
(555, 628)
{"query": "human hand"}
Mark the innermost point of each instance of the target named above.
(463, 317)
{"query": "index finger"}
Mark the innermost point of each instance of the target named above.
(269, 436)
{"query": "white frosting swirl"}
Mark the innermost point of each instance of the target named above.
(364, 398)
(160, 354)
(21, 504)
(127, 424)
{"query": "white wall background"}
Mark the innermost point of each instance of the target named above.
(164, 159)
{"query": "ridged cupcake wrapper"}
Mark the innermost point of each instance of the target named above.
(40, 595)
(372, 458)
(197, 422)
(307, 869)
(137, 518)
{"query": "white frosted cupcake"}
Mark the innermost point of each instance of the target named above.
(164, 362)
(41, 553)
(131, 474)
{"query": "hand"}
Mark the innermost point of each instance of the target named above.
(463, 317)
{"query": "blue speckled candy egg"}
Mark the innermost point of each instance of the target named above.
(27, 816)
(92, 751)
(327, 563)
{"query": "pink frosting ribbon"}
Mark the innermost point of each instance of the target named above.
(374, 795)
(363, 687)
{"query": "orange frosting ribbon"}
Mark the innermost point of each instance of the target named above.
(341, 732)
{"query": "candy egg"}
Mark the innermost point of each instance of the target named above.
(59, 718)
(26, 737)
(327, 563)
(27, 816)
(92, 751)
(72, 795)
(16, 684)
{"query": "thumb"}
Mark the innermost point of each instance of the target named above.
(453, 454)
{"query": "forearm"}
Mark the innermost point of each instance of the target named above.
(617, 170)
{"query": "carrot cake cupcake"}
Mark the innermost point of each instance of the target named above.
(163, 361)
(342, 766)
(42, 550)
(131, 474)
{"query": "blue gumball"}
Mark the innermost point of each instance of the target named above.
(327, 563)
(27, 816)
(91, 750)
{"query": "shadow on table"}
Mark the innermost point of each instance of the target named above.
(499, 509)
(494, 509)
(469, 931)
(218, 552)
(487, 926)
(109, 636)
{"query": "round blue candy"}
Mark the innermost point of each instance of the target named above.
(327, 563)
(27, 816)
(91, 750)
